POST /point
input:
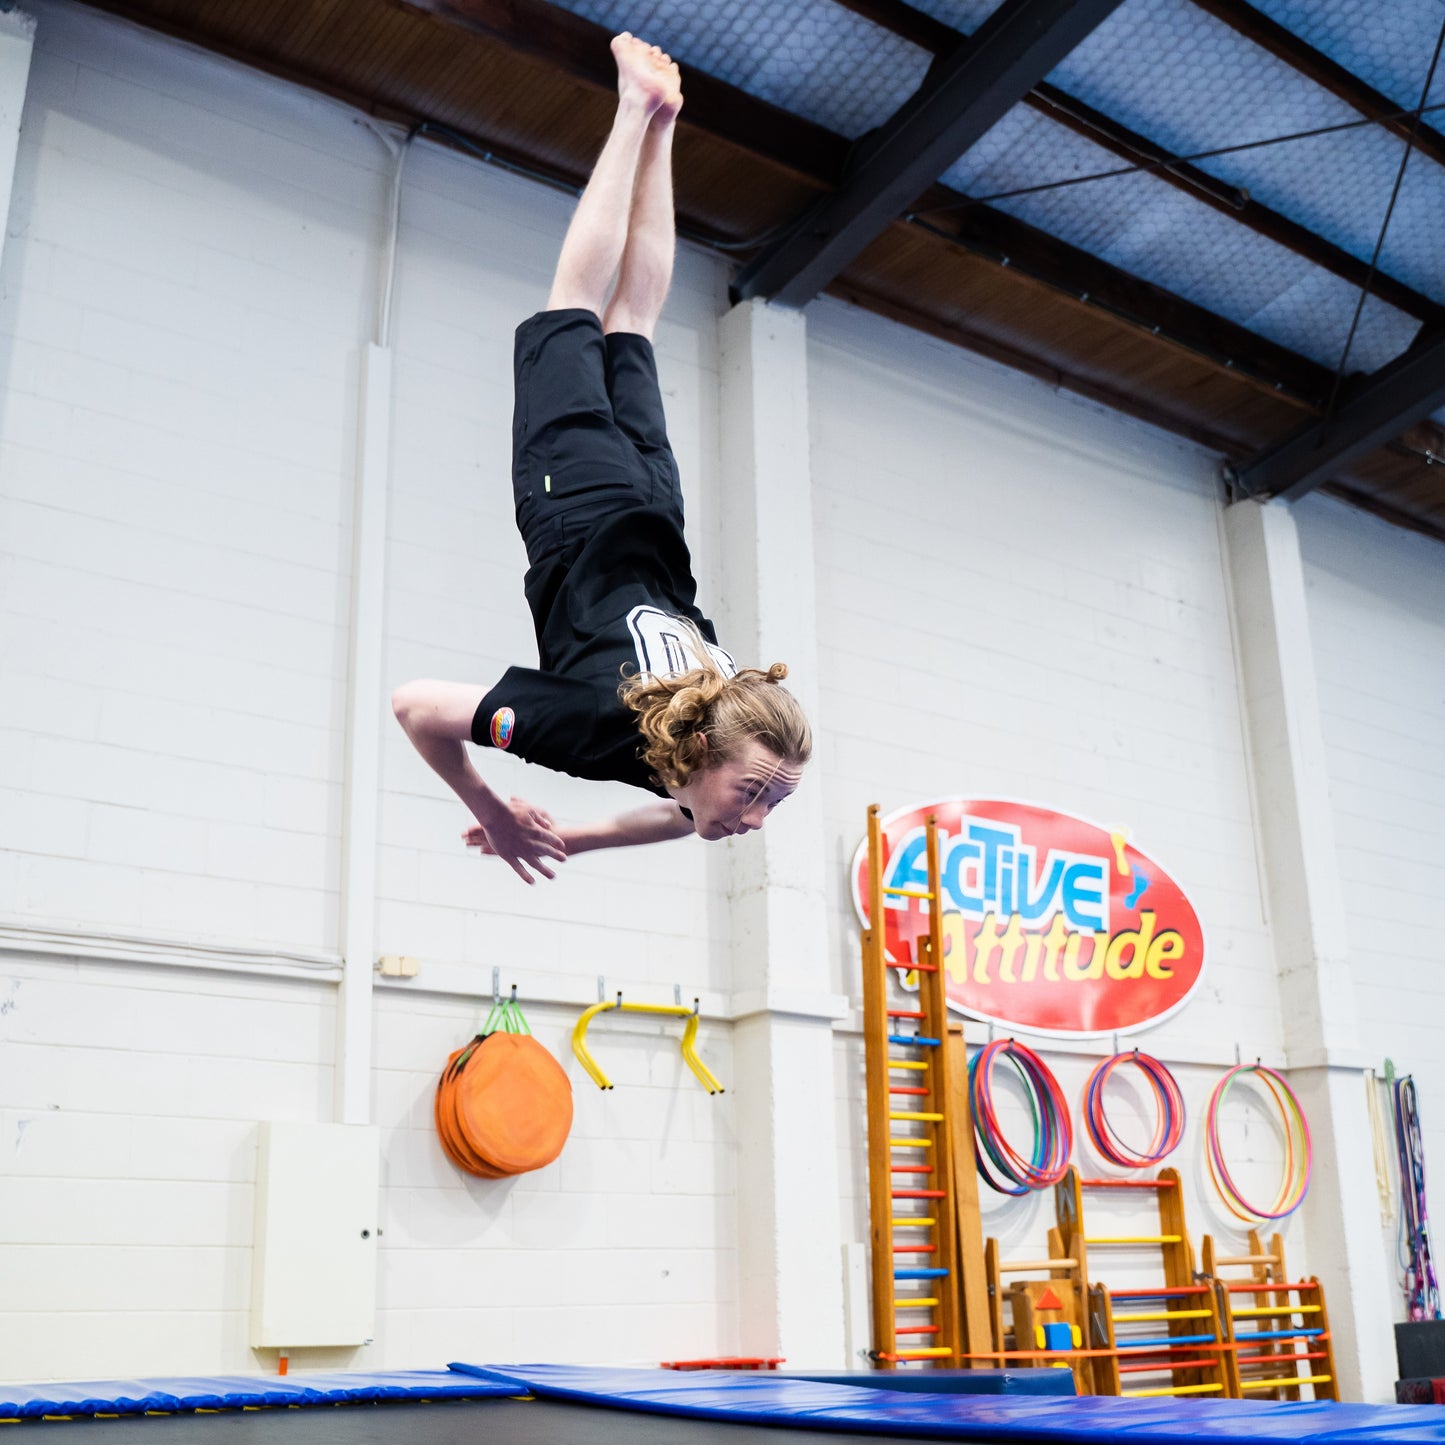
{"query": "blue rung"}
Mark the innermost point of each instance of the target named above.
(1169, 1340)
(920, 1274)
(1250, 1336)
(913, 1039)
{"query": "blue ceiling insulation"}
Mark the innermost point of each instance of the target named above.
(1186, 81)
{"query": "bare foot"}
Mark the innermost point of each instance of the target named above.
(646, 74)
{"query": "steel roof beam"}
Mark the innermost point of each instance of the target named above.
(1378, 409)
(966, 92)
(1287, 46)
(922, 29)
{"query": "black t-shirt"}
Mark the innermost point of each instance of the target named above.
(614, 602)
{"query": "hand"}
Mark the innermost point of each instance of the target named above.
(522, 835)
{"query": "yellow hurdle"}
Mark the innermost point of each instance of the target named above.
(1176, 1389)
(911, 1114)
(1285, 1380)
(1277, 1310)
(908, 893)
(1140, 1316)
(1135, 1239)
(912, 1222)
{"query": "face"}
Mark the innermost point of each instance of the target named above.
(736, 796)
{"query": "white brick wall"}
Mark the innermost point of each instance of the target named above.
(1377, 613)
(1022, 596)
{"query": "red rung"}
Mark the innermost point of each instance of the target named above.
(914, 1248)
(1278, 1359)
(915, 1330)
(905, 1013)
(916, 967)
(910, 1168)
(1171, 1365)
(1127, 1183)
(918, 1194)
(1168, 1293)
(1270, 1288)
(905, 1089)
(1164, 1350)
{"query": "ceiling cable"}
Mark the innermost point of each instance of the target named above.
(1169, 162)
(1385, 224)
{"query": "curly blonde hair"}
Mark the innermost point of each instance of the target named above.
(675, 715)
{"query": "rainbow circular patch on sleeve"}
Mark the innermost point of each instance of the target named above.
(504, 721)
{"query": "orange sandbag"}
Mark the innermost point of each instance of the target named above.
(449, 1130)
(513, 1103)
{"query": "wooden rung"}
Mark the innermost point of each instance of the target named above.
(1278, 1287)
(929, 1354)
(1133, 1238)
(1175, 1390)
(1285, 1380)
(907, 1089)
(1280, 1359)
(907, 1064)
(915, 1329)
(905, 1013)
(907, 893)
(928, 1302)
(1017, 1266)
(1135, 1317)
(913, 1222)
(1128, 1184)
(914, 1114)
(910, 1168)
(918, 1194)
(910, 1143)
(915, 1249)
(1169, 1292)
(1267, 1311)
(1247, 1259)
(1160, 1366)
(913, 1041)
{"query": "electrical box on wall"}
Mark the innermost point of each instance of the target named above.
(313, 1275)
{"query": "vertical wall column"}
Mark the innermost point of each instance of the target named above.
(1304, 893)
(17, 44)
(790, 1276)
(364, 716)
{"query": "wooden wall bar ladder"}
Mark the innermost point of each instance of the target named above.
(911, 1193)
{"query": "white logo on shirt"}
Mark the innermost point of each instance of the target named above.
(668, 646)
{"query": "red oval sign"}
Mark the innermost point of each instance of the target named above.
(1051, 924)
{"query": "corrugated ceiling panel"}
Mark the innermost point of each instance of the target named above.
(809, 56)
(1387, 43)
(1190, 83)
(1150, 228)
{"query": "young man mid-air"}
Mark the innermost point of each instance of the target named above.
(632, 686)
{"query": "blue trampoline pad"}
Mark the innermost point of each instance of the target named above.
(238, 1392)
(762, 1399)
(948, 1382)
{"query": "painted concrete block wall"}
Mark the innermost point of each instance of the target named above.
(190, 278)
(1377, 616)
(1024, 597)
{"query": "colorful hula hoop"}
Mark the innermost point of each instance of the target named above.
(1053, 1142)
(1298, 1150)
(1168, 1129)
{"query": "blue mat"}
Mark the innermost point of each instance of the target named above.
(763, 1399)
(235, 1392)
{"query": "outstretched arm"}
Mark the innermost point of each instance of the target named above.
(654, 823)
(437, 717)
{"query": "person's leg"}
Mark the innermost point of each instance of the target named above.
(595, 240)
(647, 258)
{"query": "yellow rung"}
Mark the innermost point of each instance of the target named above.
(923, 1354)
(905, 1064)
(1285, 1380)
(912, 1114)
(1262, 1313)
(1140, 1316)
(1175, 1390)
(914, 1222)
(910, 1143)
(908, 892)
(1135, 1239)
(915, 1304)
